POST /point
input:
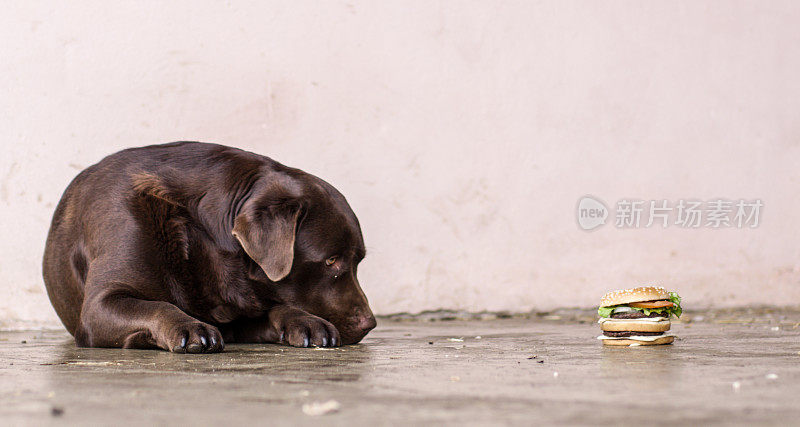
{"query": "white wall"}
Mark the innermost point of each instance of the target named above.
(462, 133)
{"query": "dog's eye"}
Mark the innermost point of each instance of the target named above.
(331, 260)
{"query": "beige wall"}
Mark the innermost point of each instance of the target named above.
(462, 133)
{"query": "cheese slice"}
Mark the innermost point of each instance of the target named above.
(637, 337)
(639, 320)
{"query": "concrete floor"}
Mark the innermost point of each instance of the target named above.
(520, 371)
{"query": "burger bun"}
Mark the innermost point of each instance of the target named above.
(661, 326)
(625, 296)
(660, 341)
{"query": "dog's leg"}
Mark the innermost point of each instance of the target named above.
(115, 319)
(119, 320)
(122, 309)
(285, 325)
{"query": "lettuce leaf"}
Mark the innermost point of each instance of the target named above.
(666, 311)
(676, 299)
(606, 311)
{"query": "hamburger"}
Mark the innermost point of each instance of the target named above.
(638, 316)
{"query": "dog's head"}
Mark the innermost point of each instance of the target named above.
(305, 237)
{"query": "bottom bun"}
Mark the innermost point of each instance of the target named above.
(665, 340)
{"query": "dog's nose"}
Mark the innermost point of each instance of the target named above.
(367, 323)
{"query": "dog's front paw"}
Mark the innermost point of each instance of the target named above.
(194, 337)
(305, 330)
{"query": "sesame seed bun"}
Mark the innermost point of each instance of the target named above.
(665, 340)
(643, 293)
(661, 326)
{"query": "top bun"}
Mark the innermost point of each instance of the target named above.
(643, 293)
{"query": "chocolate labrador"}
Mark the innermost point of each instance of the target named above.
(185, 246)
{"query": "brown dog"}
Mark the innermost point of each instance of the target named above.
(182, 245)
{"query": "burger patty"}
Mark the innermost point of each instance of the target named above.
(628, 333)
(636, 315)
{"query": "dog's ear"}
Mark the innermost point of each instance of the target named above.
(267, 235)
